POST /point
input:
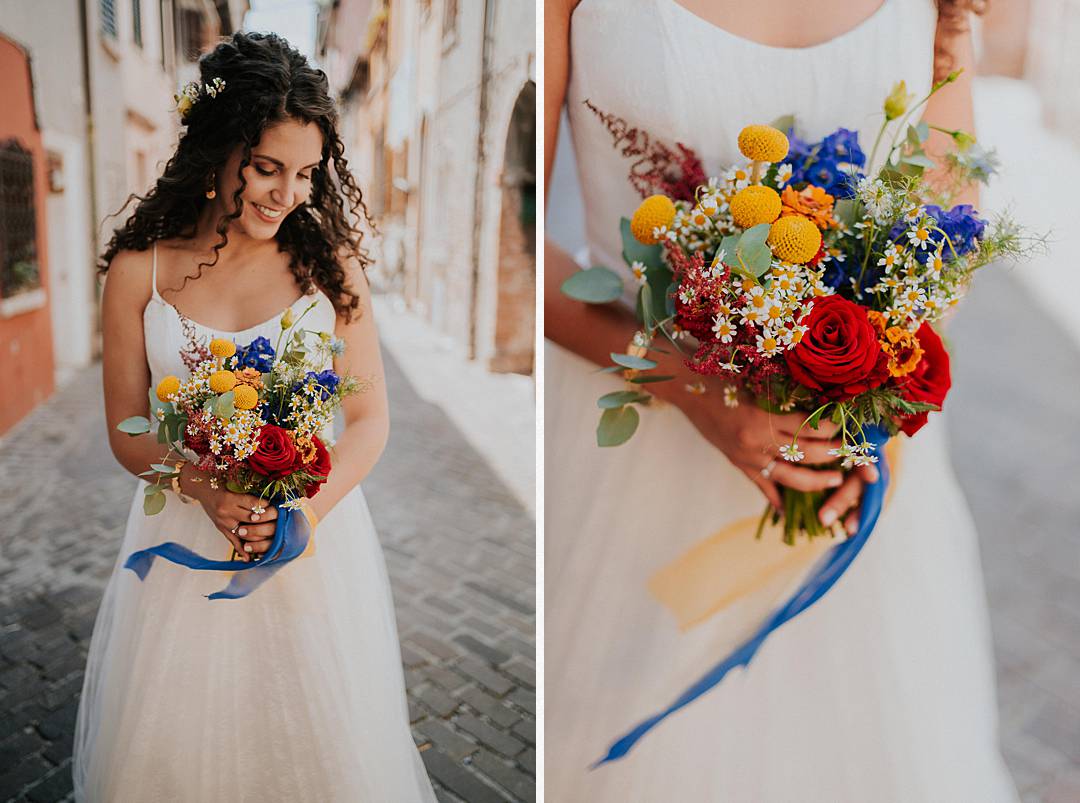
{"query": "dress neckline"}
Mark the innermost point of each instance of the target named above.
(859, 26)
(234, 333)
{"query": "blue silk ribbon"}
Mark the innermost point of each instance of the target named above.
(291, 536)
(824, 575)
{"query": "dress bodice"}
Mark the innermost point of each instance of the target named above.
(664, 69)
(168, 333)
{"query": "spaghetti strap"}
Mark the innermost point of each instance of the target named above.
(153, 274)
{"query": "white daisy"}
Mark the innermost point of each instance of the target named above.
(638, 269)
(697, 388)
(731, 396)
(791, 453)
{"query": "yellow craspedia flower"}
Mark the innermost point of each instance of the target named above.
(794, 239)
(654, 212)
(763, 143)
(167, 388)
(755, 204)
(245, 398)
(220, 347)
(222, 381)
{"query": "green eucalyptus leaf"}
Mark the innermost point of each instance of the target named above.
(644, 380)
(919, 160)
(609, 370)
(758, 258)
(619, 398)
(659, 281)
(154, 504)
(136, 425)
(162, 434)
(162, 468)
(784, 123)
(154, 488)
(630, 361)
(754, 235)
(617, 426)
(634, 251)
(923, 130)
(235, 487)
(912, 137)
(644, 306)
(595, 285)
(225, 407)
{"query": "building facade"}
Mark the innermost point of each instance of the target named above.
(438, 100)
(89, 85)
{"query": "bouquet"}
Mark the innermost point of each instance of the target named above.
(810, 280)
(250, 418)
(807, 283)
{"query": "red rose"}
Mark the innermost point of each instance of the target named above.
(929, 382)
(839, 355)
(276, 455)
(320, 466)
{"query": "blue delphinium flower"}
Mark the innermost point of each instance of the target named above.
(326, 381)
(258, 354)
(832, 164)
(963, 227)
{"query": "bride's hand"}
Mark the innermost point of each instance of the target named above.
(847, 498)
(751, 439)
(233, 514)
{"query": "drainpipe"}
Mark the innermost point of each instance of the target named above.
(478, 193)
(84, 32)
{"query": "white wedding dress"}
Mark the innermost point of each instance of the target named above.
(294, 693)
(883, 691)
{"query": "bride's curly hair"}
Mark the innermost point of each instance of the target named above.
(953, 19)
(266, 82)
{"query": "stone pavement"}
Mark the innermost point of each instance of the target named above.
(1014, 430)
(460, 550)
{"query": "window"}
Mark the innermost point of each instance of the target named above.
(108, 17)
(136, 22)
(18, 227)
(190, 34)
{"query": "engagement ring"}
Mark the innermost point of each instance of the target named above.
(765, 472)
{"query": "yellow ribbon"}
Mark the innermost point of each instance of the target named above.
(731, 565)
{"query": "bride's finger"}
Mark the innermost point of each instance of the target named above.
(805, 479)
(846, 497)
(233, 539)
(814, 452)
(768, 488)
(789, 423)
(851, 523)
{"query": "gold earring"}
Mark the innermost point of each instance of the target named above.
(211, 193)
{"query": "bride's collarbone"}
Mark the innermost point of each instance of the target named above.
(230, 305)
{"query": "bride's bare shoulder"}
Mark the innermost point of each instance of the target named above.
(129, 276)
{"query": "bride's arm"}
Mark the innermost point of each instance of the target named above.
(749, 437)
(367, 414)
(126, 374)
(126, 377)
(952, 107)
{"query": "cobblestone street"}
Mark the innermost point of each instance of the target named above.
(460, 550)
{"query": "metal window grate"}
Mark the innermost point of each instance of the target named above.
(108, 17)
(136, 22)
(18, 227)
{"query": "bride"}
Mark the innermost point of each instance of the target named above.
(883, 691)
(294, 693)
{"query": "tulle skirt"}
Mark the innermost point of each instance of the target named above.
(884, 691)
(294, 693)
